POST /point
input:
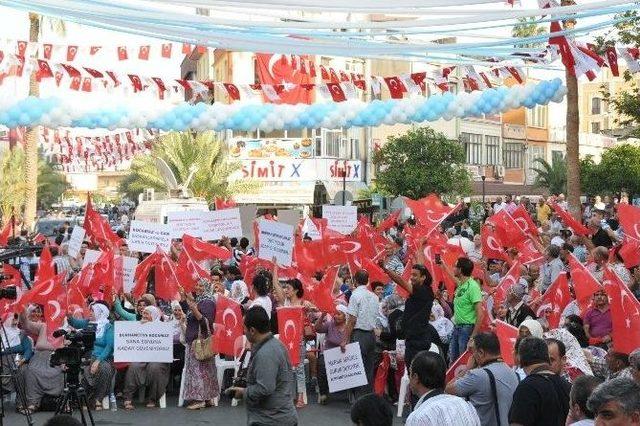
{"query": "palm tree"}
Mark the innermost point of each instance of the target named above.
(31, 138)
(553, 176)
(527, 27)
(184, 152)
(12, 184)
(51, 183)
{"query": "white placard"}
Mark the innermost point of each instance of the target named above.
(185, 222)
(135, 341)
(342, 219)
(311, 230)
(75, 241)
(276, 240)
(90, 256)
(129, 265)
(344, 370)
(145, 237)
(221, 223)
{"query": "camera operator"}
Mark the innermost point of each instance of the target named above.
(14, 342)
(99, 373)
(40, 378)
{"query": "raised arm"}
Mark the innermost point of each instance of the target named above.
(278, 292)
(397, 278)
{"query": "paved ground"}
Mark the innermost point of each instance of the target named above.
(334, 414)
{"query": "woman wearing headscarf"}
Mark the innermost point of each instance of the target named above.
(576, 363)
(530, 327)
(392, 310)
(99, 374)
(39, 377)
(179, 323)
(154, 376)
(200, 378)
(334, 330)
(442, 324)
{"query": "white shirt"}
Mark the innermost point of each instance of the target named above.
(363, 305)
(265, 302)
(443, 410)
(464, 243)
(497, 207)
(557, 241)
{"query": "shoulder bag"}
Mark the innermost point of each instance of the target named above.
(203, 348)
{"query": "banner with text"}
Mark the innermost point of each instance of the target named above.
(185, 222)
(344, 370)
(135, 341)
(75, 241)
(221, 223)
(146, 236)
(342, 219)
(275, 240)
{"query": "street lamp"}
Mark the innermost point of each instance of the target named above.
(483, 177)
(344, 184)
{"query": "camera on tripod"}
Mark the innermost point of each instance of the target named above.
(78, 352)
(9, 293)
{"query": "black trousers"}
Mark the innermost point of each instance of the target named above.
(367, 341)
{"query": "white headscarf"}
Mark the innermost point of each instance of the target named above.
(442, 324)
(533, 326)
(575, 355)
(101, 313)
(13, 332)
(154, 312)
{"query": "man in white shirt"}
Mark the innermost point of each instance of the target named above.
(361, 320)
(499, 205)
(427, 380)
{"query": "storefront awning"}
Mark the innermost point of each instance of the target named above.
(280, 193)
(334, 186)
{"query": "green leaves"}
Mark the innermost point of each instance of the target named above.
(420, 162)
(618, 171)
(551, 176)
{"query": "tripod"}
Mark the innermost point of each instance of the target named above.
(21, 396)
(74, 394)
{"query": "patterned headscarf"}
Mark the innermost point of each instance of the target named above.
(574, 353)
(208, 293)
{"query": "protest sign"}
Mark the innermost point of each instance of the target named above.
(344, 370)
(145, 237)
(90, 256)
(185, 222)
(129, 265)
(276, 240)
(221, 223)
(311, 230)
(75, 241)
(135, 341)
(342, 219)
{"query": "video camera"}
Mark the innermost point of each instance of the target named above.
(10, 293)
(78, 352)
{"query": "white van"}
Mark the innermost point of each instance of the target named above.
(156, 210)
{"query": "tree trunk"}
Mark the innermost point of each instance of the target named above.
(31, 140)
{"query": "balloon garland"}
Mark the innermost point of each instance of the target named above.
(56, 112)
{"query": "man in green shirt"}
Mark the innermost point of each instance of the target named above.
(467, 307)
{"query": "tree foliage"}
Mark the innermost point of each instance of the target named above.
(182, 151)
(420, 162)
(552, 176)
(51, 184)
(528, 27)
(618, 171)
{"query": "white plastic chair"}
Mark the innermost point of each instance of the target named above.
(223, 365)
(404, 383)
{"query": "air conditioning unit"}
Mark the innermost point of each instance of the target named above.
(498, 171)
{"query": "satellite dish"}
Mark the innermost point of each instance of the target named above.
(348, 198)
(166, 173)
(398, 203)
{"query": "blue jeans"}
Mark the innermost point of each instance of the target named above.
(459, 340)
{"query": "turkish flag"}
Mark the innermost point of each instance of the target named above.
(528, 253)
(200, 250)
(44, 290)
(86, 84)
(142, 272)
(186, 48)
(94, 49)
(524, 221)
(492, 246)
(272, 70)
(47, 51)
(143, 53)
(98, 229)
(166, 279)
(458, 365)
(229, 330)
(629, 217)
(44, 70)
(122, 53)
(71, 53)
(188, 271)
(389, 222)
(290, 328)
(6, 232)
(323, 73)
(625, 314)
(556, 298)
(336, 92)
(93, 73)
(166, 50)
(630, 253)
(396, 88)
(135, 82)
(375, 272)
(569, 221)
(584, 284)
(419, 79)
(232, 90)
(309, 255)
(612, 59)
(75, 83)
(429, 211)
(507, 229)
(46, 266)
(13, 277)
(506, 283)
(55, 312)
(104, 276)
(507, 335)
(222, 203)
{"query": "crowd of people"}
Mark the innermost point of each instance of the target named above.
(476, 328)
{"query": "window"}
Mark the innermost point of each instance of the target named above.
(473, 147)
(595, 127)
(537, 116)
(513, 155)
(556, 156)
(492, 150)
(334, 144)
(596, 106)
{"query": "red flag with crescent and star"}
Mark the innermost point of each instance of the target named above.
(278, 70)
(625, 314)
(507, 335)
(555, 299)
(492, 247)
(290, 327)
(509, 280)
(228, 327)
